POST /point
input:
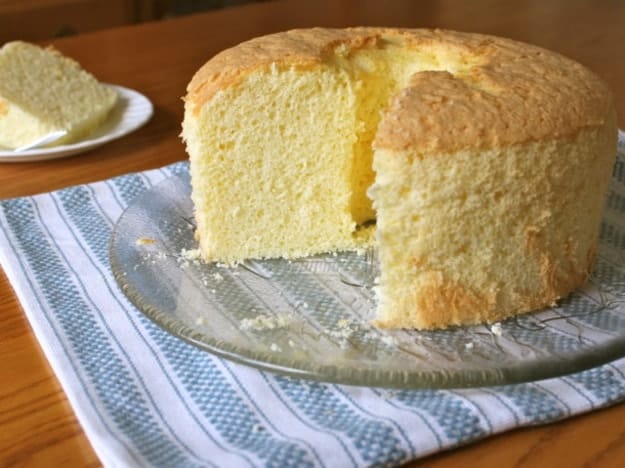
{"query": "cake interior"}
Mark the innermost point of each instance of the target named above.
(300, 141)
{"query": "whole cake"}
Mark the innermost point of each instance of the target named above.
(42, 91)
(477, 166)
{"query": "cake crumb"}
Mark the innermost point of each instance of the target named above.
(388, 340)
(190, 254)
(302, 304)
(275, 348)
(265, 322)
(468, 346)
(343, 331)
(145, 241)
(495, 328)
(343, 323)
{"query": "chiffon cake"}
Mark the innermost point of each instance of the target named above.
(476, 166)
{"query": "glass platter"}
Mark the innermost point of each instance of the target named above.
(310, 318)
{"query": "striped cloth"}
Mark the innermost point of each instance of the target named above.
(146, 398)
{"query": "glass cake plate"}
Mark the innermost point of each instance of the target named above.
(310, 318)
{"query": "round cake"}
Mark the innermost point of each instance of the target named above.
(476, 166)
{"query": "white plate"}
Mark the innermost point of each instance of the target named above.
(131, 111)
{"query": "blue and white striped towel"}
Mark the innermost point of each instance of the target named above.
(145, 398)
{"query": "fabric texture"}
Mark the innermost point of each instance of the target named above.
(147, 398)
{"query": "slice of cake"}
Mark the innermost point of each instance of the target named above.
(42, 91)
(483, 161)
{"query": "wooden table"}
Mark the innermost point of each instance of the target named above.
(37, 426)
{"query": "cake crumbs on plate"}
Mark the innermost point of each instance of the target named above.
(145, 241)
(495, 329)
(188, 257)
(190, 254)
(344, 330)
(265, 322)
(343, 323)
(389, 340)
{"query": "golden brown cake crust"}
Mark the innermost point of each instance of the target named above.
(301, 48)
(512, 92)
(518, 93)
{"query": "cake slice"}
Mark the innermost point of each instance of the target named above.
(42, 91)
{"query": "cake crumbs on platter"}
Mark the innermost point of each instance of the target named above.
(145, 241)
(190, 254)
(468, 346)
(389, 340)
(265, 322)
(188, 257)
(275, 348)
(343, 332)
(495, 329)
(343, 323)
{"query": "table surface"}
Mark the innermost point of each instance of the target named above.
(37, 426)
